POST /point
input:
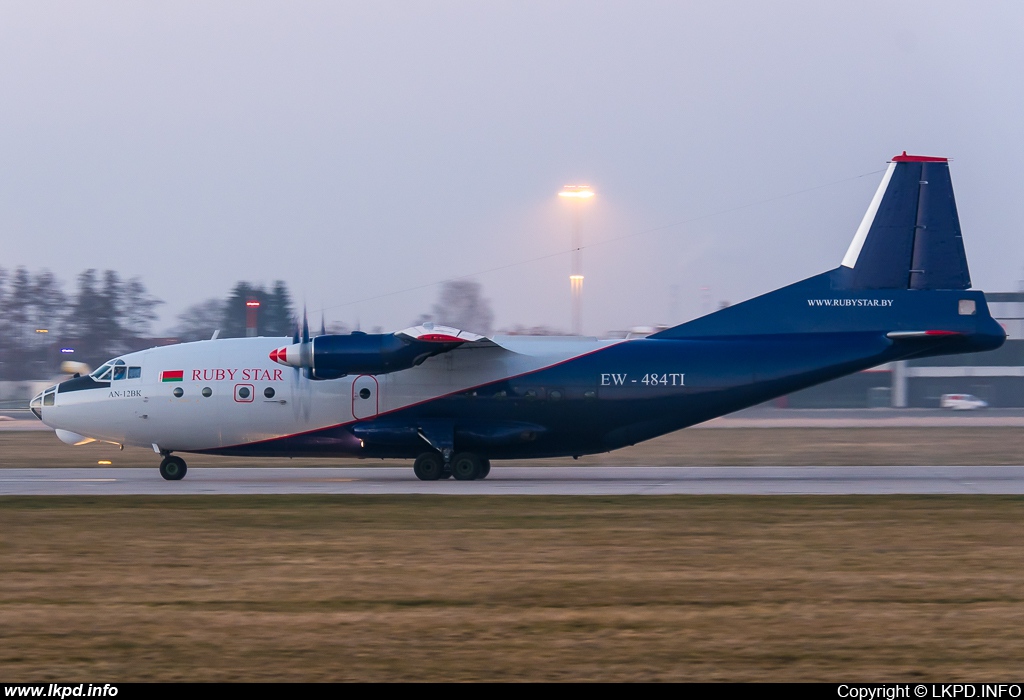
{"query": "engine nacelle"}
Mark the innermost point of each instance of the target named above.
(334, 356)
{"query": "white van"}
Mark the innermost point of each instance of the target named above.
(962, 402)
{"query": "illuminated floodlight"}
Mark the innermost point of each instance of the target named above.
(252, 304)
(67, 351)
(42, 330)
(104, 461)
(576, 192)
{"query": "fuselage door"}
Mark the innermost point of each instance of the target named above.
(364, 396)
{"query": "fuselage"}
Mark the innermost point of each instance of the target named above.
(454, 400)
(521, 397)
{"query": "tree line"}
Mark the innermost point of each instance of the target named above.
(275, 315)
(106, 315)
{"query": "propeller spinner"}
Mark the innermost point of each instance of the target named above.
(299, 354)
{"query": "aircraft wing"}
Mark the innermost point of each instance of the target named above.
(432, 333)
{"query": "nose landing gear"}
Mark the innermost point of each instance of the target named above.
(173, 468)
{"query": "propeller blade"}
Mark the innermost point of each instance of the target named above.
(323, 324)
(301, 393)
(306, 348)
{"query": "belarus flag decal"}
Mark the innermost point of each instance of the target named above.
(172, 375)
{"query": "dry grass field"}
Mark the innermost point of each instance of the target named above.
(511, 588)
(519, 588)
(696, 447)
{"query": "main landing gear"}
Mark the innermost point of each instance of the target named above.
(464, 466)
(173, 468)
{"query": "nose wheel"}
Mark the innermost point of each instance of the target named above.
(173, 468)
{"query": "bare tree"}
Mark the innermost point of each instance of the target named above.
(49, 301)
(106, 316)
(460, 304)
(110, 316)
(30, 303)
(275, 317)
(138, 309)
(199, 321)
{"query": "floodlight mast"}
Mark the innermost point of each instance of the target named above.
(576, 195)
(252, 306)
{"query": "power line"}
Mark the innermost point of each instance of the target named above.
(615, 239)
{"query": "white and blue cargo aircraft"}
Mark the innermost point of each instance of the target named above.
(453, 401)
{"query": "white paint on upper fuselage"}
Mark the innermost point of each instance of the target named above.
(144, 411)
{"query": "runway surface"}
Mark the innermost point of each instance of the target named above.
(568, 481)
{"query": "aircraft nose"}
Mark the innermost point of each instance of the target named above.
(36, 405)
(43, 398)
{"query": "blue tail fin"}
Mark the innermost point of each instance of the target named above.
(904, 276)
(910, 236)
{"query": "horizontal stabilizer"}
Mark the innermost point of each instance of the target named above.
(910, 236)
(904, 335)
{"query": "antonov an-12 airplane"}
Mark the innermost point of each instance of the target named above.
(453, 400)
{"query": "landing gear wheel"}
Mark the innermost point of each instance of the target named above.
(173, 468)
(466, 466)
(485, 468)
(429, 466)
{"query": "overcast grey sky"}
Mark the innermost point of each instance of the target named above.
(359, 149)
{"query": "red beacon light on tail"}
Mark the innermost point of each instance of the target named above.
(904, 158)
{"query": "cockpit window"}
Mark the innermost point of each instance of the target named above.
(114, 370)
(44, 398)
